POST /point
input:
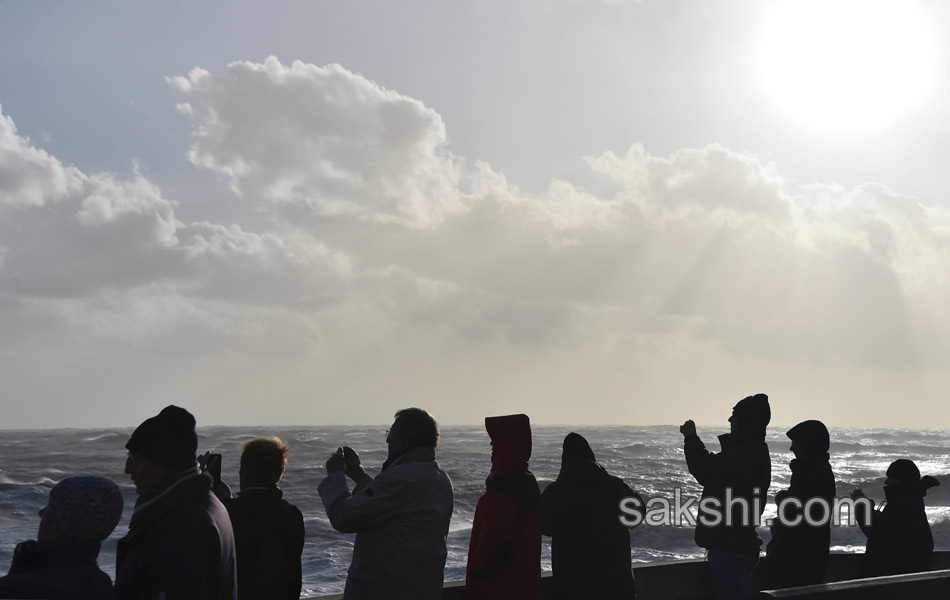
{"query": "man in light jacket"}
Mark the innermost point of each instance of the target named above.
(401, 518)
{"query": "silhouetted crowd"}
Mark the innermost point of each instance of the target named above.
(189, 538)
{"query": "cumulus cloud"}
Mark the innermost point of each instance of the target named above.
(385, 246)
(28, 175)
(92, 256)
(307, 140)
(705, 240)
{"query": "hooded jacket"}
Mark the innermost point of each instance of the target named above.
(798, 555)
(504, 555)
(590, 548)
(899, 537)
(401, 520)
(57, 571)
(180, 545)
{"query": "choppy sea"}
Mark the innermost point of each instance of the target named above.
(650, 459)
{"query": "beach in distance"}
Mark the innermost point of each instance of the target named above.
(649, 458)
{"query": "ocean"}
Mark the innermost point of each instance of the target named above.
(650, 459)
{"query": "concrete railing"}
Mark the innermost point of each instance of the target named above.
(690, 580)
(913, 586)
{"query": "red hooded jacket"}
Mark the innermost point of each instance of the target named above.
(504, 556)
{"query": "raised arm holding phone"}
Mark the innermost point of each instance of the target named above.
(400, 517)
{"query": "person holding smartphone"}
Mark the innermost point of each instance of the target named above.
(400, 517)
(268, 530)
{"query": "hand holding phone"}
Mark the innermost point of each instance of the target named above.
(335, 462)
(214, 466)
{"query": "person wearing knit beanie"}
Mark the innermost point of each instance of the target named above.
(162, 449)
(168, 439)
(81, 508)
(751, 415)
(61, 563)
(741, 471)
(180, 542)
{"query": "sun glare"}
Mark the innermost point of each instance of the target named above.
(845, 68)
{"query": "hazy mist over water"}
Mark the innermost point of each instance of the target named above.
(650, 459)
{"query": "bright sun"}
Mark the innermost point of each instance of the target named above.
(845, 68)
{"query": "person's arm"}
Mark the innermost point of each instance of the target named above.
(222, 491)
(700, 462)
(374, 504)
(211, 463)
(354, 469)
(867, 520)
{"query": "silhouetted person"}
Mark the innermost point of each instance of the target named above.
(899, 537)
(268, 530)
(738, 477)
(180, 543)
(797, 554)
(61, 563)
(401, 518)
(590, 548)
(504, 555)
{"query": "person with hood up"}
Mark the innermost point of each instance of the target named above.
(61, 563)
(899, 536)
(504, 555)
(180, 543)
(590, 547)
(797, 554)
(736, 479)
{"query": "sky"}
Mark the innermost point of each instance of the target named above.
(589, 211)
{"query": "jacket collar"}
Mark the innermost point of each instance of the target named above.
(262, 491)
(418, 454)
(731, 440)
(31, 554)
(150, 507)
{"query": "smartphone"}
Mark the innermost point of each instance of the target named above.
(214, 466)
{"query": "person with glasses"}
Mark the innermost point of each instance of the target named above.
(400, 517)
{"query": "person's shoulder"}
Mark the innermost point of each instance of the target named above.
(552, 488)
(290, 510)
(203, 511)
(618, 483)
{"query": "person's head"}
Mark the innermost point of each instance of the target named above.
(412, 428)
(902, 472)
(904, 475)
(510, 441)
(262, 461)
(161, 448)
(80, 508)
(751, 416)
(810, 439)
(576, 447)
